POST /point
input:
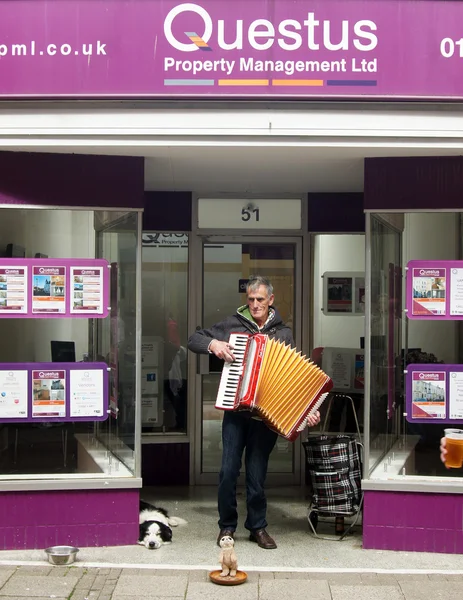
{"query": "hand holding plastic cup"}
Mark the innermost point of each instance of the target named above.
(453, 457)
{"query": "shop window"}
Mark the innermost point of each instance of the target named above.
(164, 333)
(404, 442)
(339, 325)
(71, 449)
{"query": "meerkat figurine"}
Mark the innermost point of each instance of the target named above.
(227, 557)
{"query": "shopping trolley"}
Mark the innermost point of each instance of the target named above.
(335, 465)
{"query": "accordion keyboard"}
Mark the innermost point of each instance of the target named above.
(231, 373)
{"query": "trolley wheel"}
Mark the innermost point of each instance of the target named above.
(313, 518)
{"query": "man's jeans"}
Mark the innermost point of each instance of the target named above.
(239, 431)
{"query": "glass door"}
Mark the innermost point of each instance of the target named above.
(227, 263)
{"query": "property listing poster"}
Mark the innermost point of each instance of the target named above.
(49, 290)
(456, 395)
(429, 292)
(87, 290)
(49, 393)
(13, 394)
(456, 292)
(13, 290)
(339, 291)
(429, 395)
(86, 392)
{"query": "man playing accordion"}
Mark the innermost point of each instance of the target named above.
(240, 429)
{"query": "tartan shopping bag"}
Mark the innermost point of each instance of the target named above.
(335, 471)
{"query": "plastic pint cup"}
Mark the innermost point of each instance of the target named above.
(454, 444)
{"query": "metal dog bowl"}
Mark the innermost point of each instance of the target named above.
(61, 555)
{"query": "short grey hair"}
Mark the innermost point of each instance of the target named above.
(254, 283)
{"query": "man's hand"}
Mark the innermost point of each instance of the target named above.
(314, 419)
(222, 350)
(443, 449)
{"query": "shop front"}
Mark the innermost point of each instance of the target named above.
(189, 146)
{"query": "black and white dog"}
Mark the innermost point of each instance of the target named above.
(156, 526)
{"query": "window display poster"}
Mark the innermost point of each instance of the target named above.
(359, 377)
(340, 294)
(87, 290)
(150, 373)
(150, 396)
(360, 295)
(49, 393)
(429, 395)
(13, 394)
(13, 290)
(49, 289)
(338, 365)
(86, 393)
(429, 291)
(456, 291)
(456, 395)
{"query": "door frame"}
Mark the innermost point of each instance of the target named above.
(195, 319)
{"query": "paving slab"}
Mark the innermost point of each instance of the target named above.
(366, 592)
(448, 590)
(5, 574)
(150, 588)
(36, 586)
(213, 591)
(294, 590)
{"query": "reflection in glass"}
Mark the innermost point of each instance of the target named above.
(164, 335)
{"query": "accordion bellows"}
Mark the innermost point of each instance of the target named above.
(274, 381)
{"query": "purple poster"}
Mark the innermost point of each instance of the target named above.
(435, 289)
(428, 395)
(434, 393)
(44, 288)
(239, 48)
(41, 392)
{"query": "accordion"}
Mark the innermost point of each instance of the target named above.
(274, 381)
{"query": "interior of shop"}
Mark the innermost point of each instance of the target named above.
(63, 449)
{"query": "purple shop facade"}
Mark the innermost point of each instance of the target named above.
(217, 49)
(221, 49)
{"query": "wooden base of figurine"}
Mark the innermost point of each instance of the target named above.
(240, 577)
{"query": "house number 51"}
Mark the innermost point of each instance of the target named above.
(249, 213)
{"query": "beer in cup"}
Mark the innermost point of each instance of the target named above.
(454, 445)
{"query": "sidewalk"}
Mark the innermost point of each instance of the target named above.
(155, 583)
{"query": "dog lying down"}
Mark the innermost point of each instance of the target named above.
(156, 526)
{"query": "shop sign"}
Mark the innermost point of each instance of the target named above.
(232, 213)
(219, 48)
(154, 239)
(33, 288)
(435, 290)
(434, 392)
(45, 392)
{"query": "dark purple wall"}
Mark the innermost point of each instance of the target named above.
(33, 520)
(414, 183)
(68, 180)
(167, 211)
(336, 213)
(413, 522)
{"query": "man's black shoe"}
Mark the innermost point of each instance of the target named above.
(263, 540)
(223, 532)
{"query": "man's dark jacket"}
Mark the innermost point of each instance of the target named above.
(239, 323)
